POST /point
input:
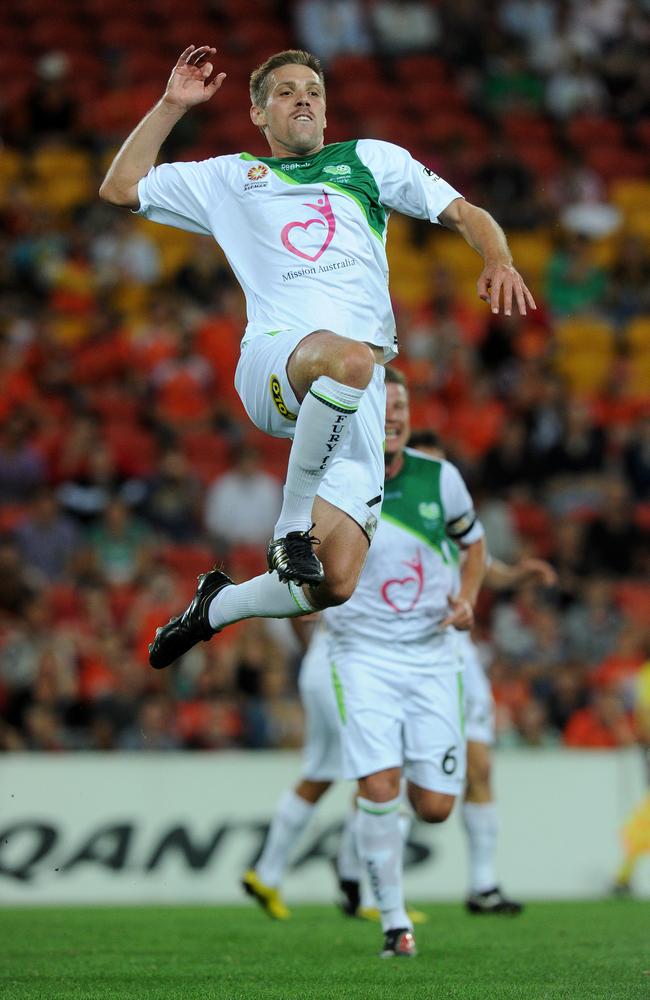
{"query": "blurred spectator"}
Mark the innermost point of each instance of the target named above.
(122, 252)
(592, 626)
(509, 461)
(575, 89)
(94, 480)
(242, 506)
(172, 503)
(512, 86)
(580, 450)
(628, 293)
(183, 387)
(533, 726)
(506, 187)
(17, 584)
(119, 545)
(47, 539)
(153, 728)
(604, 723)
(403, 27)
(637, 459)
(330, 28)
(52, 105)
(612, 542)
(22, 468)
(573, 282)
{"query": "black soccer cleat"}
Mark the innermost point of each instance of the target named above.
(493, 901)
(181, 633)
(399, 943)
(294, 559)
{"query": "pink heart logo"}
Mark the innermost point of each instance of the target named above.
(327, 219)
(403, 593)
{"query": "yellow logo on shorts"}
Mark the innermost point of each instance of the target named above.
(276, 396)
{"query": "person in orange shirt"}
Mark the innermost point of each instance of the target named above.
(602, 724)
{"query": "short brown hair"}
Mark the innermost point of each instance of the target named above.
(259, 87)
(396, 376)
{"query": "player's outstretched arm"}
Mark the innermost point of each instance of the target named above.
(505, 576)
(499, 274)
(191, 83)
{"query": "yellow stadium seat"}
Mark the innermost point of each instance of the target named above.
(530, 253)
(638, 385)
(454, 253)
(631, 196)
(637, 335)
(639, 223)
(585, 372)
(586, 334)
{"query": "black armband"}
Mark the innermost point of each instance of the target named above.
(461, 526)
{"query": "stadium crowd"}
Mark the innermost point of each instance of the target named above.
(127, 464)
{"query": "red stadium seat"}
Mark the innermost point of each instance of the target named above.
(416, 69)
(588, 130)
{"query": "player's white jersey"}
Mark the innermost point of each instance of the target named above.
(412, 566)
(305, 236)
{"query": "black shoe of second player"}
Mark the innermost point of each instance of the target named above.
(184, 631)
(294, 559)
(493, 901)
(399, 943)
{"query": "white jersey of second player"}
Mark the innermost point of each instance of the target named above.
(304, 236)
(412, 566)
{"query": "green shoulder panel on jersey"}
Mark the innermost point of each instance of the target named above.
(337, 166)
(413, 502)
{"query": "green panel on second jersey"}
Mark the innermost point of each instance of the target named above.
(413, 501)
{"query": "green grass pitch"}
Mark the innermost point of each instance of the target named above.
(569, 950)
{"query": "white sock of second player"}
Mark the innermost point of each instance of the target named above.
(381, 848)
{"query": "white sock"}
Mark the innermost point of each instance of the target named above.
(381, 848)
(348, 862)
(482, 826)
(321, 427)
(264, 596)
(290, 819)
(405, 824)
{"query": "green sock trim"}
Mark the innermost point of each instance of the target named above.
(378, 811)
(299, 598)
(334, 403)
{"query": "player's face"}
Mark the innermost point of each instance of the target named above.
(293, 118)
(398, 422)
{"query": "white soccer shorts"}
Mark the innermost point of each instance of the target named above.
(396, 714)
(322, 760)
(355, 481)
(479, 703)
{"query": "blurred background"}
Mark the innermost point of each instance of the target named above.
(127, 464)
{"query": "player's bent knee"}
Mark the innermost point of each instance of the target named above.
(435, 808)
(323, 352)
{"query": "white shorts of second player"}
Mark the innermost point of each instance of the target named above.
(355, 480)
(479, 703)
(322, 760)
(396, 714)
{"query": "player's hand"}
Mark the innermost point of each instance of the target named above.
(461, 614)
(191, 81)
(538, 570)
(502, 278)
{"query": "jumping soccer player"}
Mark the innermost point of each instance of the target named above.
(304, 230)
(397, 674)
